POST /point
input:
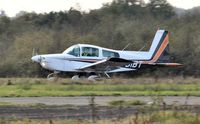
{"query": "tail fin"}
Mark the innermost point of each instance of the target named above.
(160, 47)
(160, 50)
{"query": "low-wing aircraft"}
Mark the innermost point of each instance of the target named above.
(94, 59)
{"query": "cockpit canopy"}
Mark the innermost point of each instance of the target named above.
(89, 51)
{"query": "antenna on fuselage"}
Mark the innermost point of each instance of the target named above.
(130, 44)
(126, 46)
(142, 47)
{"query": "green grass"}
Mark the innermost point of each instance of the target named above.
(42, 87)
(6, 104)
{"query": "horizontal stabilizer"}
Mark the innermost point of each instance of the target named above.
(165, 64)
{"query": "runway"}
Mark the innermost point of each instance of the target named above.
(99, 100)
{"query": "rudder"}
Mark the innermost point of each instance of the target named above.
(161, 53)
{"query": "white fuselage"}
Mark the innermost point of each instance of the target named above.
(69, 63)
(80, 55)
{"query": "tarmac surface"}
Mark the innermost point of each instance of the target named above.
(100, 100)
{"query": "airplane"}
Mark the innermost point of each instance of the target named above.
(99, 60)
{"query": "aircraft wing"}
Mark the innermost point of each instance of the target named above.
(105, 65)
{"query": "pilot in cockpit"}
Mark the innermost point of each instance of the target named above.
(85, 52)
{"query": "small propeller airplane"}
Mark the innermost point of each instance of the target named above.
(94, 59)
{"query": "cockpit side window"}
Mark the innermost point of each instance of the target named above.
(107, 53)
(75, 51)
(90, 52)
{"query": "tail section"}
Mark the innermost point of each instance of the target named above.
(160, 47)
(160, 50)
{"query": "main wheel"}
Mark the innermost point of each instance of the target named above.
(93, 78)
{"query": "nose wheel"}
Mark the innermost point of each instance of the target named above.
(53, 76)
(76, 77)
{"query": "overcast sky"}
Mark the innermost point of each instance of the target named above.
(11, 7)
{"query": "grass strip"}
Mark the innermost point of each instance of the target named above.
(28, 90)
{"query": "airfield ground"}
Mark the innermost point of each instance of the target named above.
(99, 100)
(26, 87)
(118, 99)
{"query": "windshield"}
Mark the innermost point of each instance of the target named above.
(73, 50)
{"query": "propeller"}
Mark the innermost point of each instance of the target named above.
(35, 56)
(35, 52)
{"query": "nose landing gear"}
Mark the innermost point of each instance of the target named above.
(76, 77)
(53, 76)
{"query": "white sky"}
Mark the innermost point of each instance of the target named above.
(11, 7)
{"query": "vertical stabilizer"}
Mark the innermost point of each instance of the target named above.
(159, 49)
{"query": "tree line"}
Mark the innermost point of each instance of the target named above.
(114, 26)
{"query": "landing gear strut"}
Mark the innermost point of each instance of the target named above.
(107, 74)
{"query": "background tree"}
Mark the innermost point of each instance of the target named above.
(114, 26)
(161, 9)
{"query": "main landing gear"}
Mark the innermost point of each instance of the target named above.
(90, 77)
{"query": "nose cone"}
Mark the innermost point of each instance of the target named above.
(36, 58)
